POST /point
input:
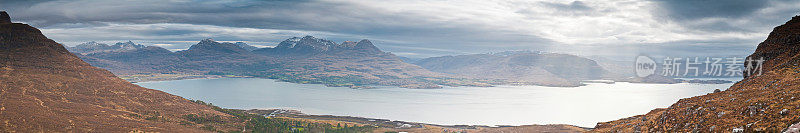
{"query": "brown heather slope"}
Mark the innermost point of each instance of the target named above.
(760, 103)
(45, 88)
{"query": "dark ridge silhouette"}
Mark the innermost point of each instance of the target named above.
(4, 18)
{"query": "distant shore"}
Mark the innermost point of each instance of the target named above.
(168, 77)
(136, 78)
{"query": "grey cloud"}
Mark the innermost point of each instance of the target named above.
(323, 16)
(399, 30)
(698, 9)
(402, 28)
(726, 15)
(573, 6)
(149, 11)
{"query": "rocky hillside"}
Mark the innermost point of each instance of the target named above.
(519, 67)
(45, 88)
(759, 103)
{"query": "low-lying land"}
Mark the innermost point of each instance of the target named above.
(166, 77)
(384, 125)
(658, 79)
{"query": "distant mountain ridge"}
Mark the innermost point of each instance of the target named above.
(310, 46)
(209, 46)
(523, 67)
(245, 46)
(299, 59)
(95, 47)
(313, 60)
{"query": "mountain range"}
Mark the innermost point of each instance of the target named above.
(94, 47)
(299, 59)
(350, 64)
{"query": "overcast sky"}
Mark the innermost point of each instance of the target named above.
(424, 28)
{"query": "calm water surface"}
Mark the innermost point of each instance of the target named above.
(503, 105)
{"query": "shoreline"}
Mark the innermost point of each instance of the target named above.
(390, 124)
(141, 78)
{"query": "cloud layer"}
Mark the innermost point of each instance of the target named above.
(422, 28)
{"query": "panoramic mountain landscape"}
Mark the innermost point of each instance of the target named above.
(324, 66)
(77, 97)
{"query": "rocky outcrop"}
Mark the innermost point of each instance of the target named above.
(245, 46)
(363, 45)
(4, 18)
(128, 45)
(781, 46)
(366, 46)
(348, 44)
(759, 103)
(793, 129)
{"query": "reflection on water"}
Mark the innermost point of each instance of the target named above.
(503, 105)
